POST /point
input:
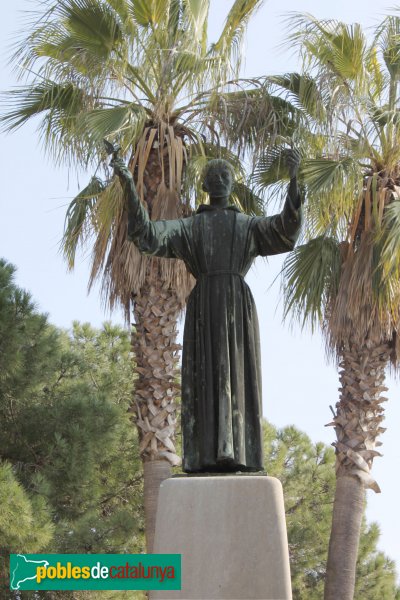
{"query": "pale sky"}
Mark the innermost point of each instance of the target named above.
(298, 384)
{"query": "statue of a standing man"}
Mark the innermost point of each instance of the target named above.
(221, 373)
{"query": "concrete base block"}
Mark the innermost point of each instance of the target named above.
(231, 532)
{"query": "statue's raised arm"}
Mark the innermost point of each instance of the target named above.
(158, 238)
(279, 233)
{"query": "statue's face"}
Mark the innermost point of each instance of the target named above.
(218, 181)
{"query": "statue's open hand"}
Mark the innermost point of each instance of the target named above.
(120, 168)
(292, 160)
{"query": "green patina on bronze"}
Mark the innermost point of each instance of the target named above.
(221, 374)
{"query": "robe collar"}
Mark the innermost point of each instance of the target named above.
(208, 207)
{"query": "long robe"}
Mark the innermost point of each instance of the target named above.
(221, 372)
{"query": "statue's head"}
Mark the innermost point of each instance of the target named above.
(218, 177)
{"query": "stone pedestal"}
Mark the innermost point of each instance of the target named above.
(231, 532)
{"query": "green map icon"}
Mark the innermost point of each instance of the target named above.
(24, 569)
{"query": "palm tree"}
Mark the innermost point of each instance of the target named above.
(346, 276)
(142, 72)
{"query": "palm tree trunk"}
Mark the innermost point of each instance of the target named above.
(156, 353)
(357, 423)
(348, 508)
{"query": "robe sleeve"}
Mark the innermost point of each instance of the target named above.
(277, 234)
(156, 238)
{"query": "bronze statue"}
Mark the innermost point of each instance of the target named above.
(221, 375)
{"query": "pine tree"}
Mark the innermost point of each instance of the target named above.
(308, 479)
(307, 473)
(376, 573)
(72, 481)
(27, 347)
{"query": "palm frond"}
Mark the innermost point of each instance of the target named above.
(333, 188)
(358, 312)
(190, 71)
(310, 280)
(25, 102)
(304, 91)
(338, 54)
(252, 118)
(389, 240)
(196, 12)
(271, 168)
(228, 45)
(247, 200)
(79, 220)
(60, 107)
(149, 12)
(387, 38)
(77, 35)
(124, 121)
(323, 174)
(93, 27)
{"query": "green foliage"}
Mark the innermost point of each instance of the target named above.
(103, 67)
(307, 473)
(376, 573)
(311, 279)
(72, 481)
(27, 343)
(24, 520)
(303, 92)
